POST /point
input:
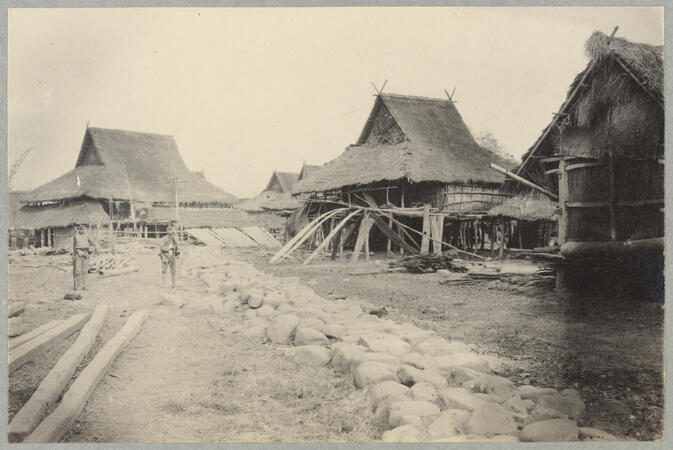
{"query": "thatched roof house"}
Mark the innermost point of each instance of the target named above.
(128, 165)
(614, 105)
(409, 138)
(282, 181)
(307, 170)
(603, 153)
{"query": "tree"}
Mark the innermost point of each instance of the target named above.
(488, 140)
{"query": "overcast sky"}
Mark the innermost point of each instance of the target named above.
(246, 91)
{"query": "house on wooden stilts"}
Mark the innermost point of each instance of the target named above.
(417, 161)
(603, 153)
(133, 184)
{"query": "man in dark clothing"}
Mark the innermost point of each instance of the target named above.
(82, 247)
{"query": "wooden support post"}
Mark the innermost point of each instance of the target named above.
(518, 229)
(560, 281)
(366, 248)
(336, 244)
(563, 193)
(482, 234)
(389, 251)
(365, 225)
(425, 242)
(56, 424)
(437, 233)
(501, 252)
(494, 234)
(400, 232)
(613, 223)
(30, 414)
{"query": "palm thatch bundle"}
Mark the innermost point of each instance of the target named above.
(527, 207)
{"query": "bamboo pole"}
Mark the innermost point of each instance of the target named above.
(330, 236)
(521, 180)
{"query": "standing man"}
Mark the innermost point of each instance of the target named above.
(168, 251)
(82, 247)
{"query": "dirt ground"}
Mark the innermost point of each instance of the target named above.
(610, 350)
(190, 376)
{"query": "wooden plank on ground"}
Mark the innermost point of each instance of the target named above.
(32, 334)
(56, 424)
(29, 416)
(15, 309)
(24, 353)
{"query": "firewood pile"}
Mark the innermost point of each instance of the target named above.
(427, 264)
(110, 262)
(541, 279)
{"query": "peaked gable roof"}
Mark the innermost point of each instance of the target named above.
(642, 67)
(436, 146)
(282, 181)
(307, 170)
(125, 165)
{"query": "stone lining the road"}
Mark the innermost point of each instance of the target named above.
(423, 387)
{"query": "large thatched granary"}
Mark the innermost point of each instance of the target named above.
(414, 152)
(135, 182)
(603, 154)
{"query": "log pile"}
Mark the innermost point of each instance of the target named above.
(427, 264)
(542, 279)
(105, 263)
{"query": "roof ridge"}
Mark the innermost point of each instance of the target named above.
(119, 130)
(416, 97)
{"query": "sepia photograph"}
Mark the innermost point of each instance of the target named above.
(335, 224)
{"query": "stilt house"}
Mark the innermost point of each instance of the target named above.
(604, 155)
(134, 183)
(416, 158)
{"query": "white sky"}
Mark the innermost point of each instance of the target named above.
(249, 90)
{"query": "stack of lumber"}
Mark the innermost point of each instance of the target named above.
(427, 264)
(112, 264)
(261, 236)
(542, 278)
(30, 424)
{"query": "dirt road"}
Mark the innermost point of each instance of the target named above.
(190, 375)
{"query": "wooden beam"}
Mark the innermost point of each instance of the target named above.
(15, 309)
(587, 164)
(389, 249)
(425, 241)
(51, 387)
(24, 353)
(655, 201)
(638, 82)
(523, 181)
(587, 204)
(56, 424)
(32, 334)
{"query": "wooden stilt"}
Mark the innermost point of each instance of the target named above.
(501, 252)
(518, 229)
(482, 233)
(389, 251)
(425, 242)
(494, 234)
(438, 233)
(365, 226)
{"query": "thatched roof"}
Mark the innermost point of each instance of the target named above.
(282, 181)
(32, 218)
(604, 91)
(269, 201)
(530, 207)
(201, 217)
(124, 165)
(436, 146)
(307, 170)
